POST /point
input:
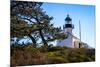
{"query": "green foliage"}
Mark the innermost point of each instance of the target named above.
(31, 48)
(29, 19)
(30, 55)
(56, 60)
(56, 48)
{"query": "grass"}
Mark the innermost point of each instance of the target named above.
(30, 55)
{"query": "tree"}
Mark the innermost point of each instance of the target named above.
(20, 27)
(29, 19)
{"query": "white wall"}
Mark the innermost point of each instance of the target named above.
(66, 42)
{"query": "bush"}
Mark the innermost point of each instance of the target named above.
(30, 55)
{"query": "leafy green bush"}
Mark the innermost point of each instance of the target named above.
(30, 55)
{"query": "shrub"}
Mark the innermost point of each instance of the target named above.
(30, 55)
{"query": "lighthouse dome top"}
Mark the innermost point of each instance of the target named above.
(68, 18)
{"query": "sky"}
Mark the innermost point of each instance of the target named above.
(84, 13)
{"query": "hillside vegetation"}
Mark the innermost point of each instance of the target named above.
(30, 55)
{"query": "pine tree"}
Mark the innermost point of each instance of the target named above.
(29, 19)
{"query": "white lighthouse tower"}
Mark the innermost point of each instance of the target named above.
(68, 27)
(71, 40)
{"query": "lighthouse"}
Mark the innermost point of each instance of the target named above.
(68, 27)
(71, 40)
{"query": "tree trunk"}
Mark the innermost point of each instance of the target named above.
(33, 39)
(40, 31)
(42, 37)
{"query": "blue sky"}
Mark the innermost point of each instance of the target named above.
(84, 13)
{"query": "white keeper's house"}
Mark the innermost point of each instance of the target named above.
(71, 40)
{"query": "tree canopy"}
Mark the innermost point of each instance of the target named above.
(29, 19)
